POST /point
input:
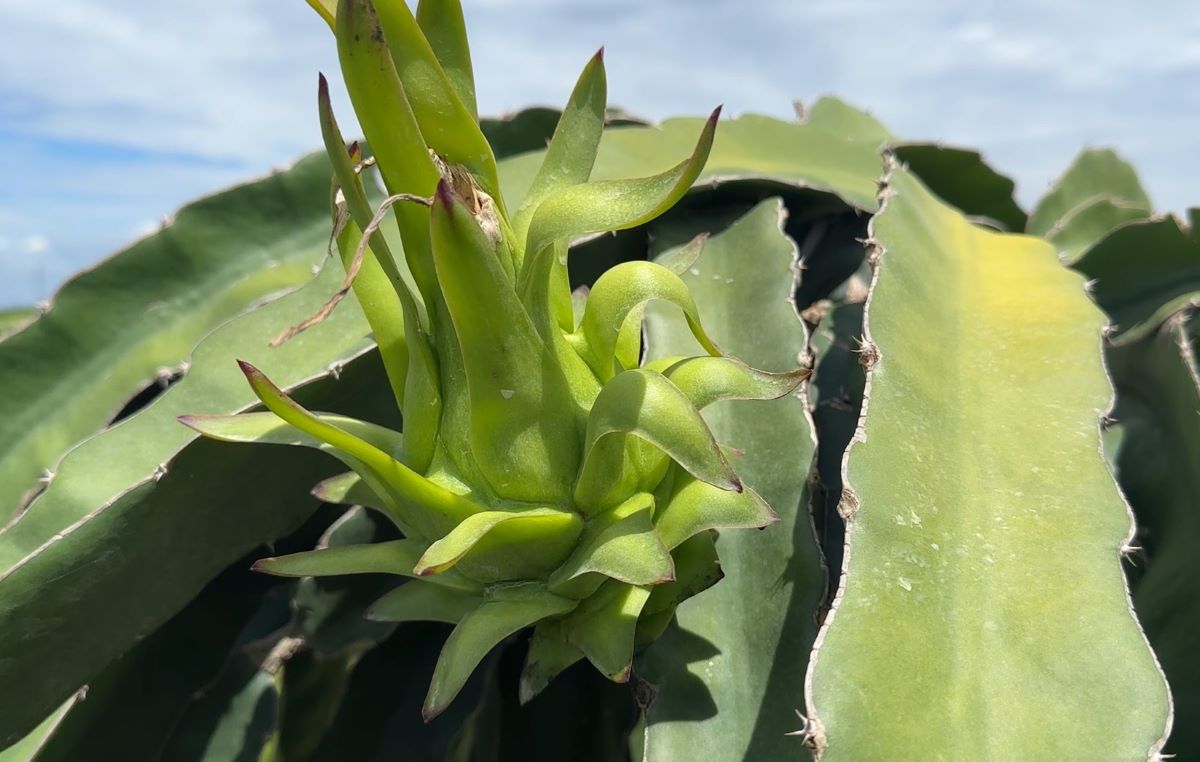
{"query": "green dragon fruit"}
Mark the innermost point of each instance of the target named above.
(545, 477)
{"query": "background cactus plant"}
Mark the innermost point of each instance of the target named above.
(944, 576)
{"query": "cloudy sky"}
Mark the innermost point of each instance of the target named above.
(115, 112)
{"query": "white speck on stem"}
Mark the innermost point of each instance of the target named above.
(904, 583)
(695, 271)
(507, 393)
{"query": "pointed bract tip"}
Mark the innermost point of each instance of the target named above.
(445, 193)
(248, 369)
(187, 420)
(424, 570)
(430, 713)
(737, 485)
(599, 57)
(322, 86)
(355, 150)
(525, 692)
(623, 675)
(790, 382)
(716, 114)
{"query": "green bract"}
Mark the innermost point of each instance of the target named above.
(546, 477)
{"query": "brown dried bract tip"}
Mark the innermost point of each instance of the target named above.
(459, 180)
(355, 264)
(319, 316)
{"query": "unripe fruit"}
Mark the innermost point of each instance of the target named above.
(544, 479)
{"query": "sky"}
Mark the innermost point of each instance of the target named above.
(114, 113)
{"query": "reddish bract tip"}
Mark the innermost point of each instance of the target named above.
(248, 369)
(599, 54)
(445, 193)
(426, 572)
(322, 86)
(355, 150)
(716, 114)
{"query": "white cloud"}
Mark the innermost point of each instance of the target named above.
(113, 112)
(219, 79)
(234, 79)
(35, 245)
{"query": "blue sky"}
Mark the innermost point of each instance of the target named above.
(113, 113)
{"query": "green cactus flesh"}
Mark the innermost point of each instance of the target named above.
(545, 478)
